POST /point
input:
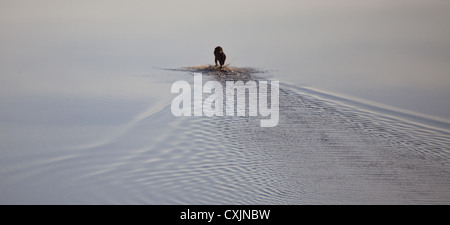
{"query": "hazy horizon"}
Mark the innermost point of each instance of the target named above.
(392, 52)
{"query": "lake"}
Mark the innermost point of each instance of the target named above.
(85, 103)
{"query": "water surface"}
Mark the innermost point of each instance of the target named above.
(85, 104)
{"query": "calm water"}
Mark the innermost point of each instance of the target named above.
(85, 106)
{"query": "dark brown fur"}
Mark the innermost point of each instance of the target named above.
(219, 56)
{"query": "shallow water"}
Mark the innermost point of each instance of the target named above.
(136, 152)
(85, 103)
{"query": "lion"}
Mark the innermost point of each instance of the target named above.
(219, 56)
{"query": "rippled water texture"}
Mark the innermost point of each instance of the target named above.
(85, 102)
(321, 152)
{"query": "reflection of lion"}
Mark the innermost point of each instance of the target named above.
(219, 56)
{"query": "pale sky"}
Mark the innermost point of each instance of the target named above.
(327, 44)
